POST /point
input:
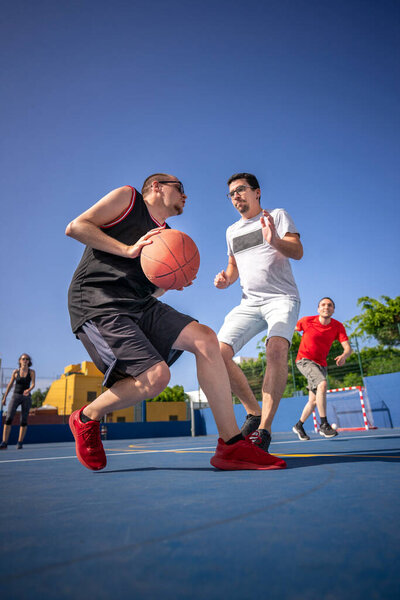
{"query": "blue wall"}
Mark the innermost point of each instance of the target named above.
(385, 389)
(383, 393)
(40, 434)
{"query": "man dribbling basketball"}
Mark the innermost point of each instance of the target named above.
(131, 336)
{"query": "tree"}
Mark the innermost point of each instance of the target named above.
(380, 320)
(38, 397)
(174, 394)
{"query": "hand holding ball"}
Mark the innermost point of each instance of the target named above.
(171, 261)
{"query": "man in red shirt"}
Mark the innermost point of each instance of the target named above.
(319, 333)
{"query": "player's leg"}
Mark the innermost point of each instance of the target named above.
(212, 375)
(321, 398)
(239, 327)
(130, 391)
(238, 381)
(134, 371)
(325, 429)
(275, 379)
(233, 451)
(281, 314)
(298, 429)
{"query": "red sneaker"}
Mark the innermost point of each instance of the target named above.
(244, 455)
(88, 445)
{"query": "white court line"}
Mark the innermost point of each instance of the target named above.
(133, 452)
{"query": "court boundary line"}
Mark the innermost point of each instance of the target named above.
(171, 450)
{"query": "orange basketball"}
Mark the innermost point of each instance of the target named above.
(171, 261)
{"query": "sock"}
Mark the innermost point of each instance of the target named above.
(84, 418)
(300, 422)
(324, 421)
(236, 438)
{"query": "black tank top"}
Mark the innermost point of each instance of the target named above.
(104, 283)
(22, 383)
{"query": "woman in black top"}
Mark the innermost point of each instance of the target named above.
(24, 379)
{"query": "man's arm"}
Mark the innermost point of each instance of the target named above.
(290, 245)
(340, 360)
(225, 278)
(87, 227)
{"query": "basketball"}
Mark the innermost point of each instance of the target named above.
(171, 261)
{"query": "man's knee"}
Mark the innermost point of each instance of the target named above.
(226, 351)
(156, 379)
(322, 386)
(277, 350)
(204, 339)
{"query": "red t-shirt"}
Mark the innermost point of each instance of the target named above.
(317, 338)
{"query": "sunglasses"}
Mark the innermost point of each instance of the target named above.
(179, 183)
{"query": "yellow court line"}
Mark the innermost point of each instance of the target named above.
(342, 455)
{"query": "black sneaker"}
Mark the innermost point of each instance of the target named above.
(260, 438)
(327, 431)
(3, 446)
(19, 446)
(298, 429)
(252, 423)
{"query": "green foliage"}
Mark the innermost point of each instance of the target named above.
(171, 394)
(38, 397)
(380, 320)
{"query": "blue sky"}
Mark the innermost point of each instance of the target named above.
(305, 94)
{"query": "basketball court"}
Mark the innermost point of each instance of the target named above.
(160, 522)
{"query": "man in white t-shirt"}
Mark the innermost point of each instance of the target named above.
(259, 247)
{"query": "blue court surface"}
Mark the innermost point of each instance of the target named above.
(160, 523)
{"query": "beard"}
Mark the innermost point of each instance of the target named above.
(242, 208)
(178, 209)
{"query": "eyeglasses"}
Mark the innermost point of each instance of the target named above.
(179, 183)
(23, 358)
(239, 190)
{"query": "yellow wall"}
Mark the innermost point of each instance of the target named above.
(162, 411)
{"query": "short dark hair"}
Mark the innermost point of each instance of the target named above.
(327, 298)
(251, 179)
(29, 359)
(149, 180)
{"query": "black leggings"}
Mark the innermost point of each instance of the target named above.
(16, 400)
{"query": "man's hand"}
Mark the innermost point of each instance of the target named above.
(145, 240)
(340, 360)
(268, 228)
(185, 286)
(221, 280)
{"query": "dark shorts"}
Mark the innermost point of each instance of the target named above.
(125, 346)
(313, 372)
(19, 400)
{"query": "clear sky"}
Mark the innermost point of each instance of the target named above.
(95, 94)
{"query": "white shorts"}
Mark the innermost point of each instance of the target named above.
(279, 316)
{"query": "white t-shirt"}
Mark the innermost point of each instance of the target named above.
(264, 272)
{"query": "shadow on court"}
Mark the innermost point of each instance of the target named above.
(293, 462)
(297, 462)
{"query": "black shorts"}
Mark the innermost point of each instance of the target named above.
(127, 345)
